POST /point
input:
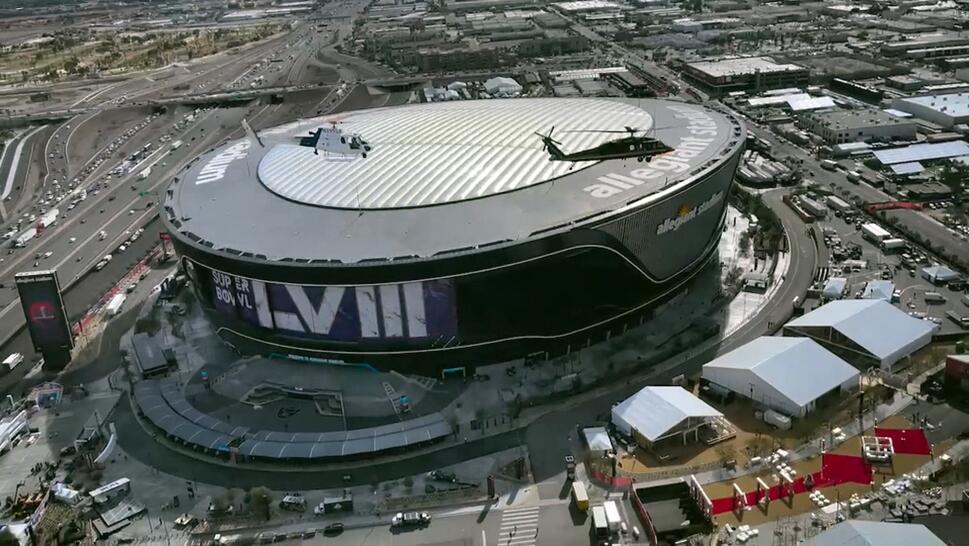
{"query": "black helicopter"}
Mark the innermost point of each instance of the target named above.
(640, 147)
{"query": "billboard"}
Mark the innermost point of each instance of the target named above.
(40, 298)
(422, 310)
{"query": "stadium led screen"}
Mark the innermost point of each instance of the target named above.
(40, 297)
(417, 310)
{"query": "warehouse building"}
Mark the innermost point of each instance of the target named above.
(748, 74)
(839, 126)
(863, 332)
(945, 110)
(659, 413)
(914, 155)
(790, 375)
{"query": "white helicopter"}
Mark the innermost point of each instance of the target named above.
(329, 140)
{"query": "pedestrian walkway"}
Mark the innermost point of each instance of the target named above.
(519, 527)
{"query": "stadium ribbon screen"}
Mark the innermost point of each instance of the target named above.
(40, 297)
(419, 310)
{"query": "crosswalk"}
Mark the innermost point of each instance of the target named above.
(519, 527)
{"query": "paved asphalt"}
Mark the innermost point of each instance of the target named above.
(913, 220)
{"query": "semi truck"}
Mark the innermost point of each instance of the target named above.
(613, 519)
(837, 204)
(813, 208)
(874, 233)
(114, 306)
(25, 237)
(600, 525)
(48, 219)
(893, 244)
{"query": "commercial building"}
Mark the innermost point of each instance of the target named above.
(865, 333)
(749, 74)
(875, 533)
(839, 126)
(457, 235)
(790, 375)
(940, 44)
(946, 110)
(658, 413)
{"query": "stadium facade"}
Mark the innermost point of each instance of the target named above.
(457, 241)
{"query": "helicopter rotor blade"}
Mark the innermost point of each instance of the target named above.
(595, 131)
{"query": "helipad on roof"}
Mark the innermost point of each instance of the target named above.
(441, 153)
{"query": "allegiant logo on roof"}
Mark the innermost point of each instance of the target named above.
(215, 169)
(702, 130)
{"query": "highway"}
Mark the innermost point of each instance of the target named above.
(81, 152)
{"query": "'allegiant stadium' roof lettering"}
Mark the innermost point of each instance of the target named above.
(215, 168)
(703, 131)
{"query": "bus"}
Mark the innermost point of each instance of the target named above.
(600, 525)
(107, 493)
(580, 496)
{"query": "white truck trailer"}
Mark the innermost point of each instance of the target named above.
(874, 233)
(21, 240)
(114, 306)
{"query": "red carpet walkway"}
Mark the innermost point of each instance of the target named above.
(906, 441)
(837, 469)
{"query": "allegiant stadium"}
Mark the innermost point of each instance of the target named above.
(452, 238)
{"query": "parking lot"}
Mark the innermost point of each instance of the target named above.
(851, 256)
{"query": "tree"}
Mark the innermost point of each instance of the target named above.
(261, 501)
(954, 174)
